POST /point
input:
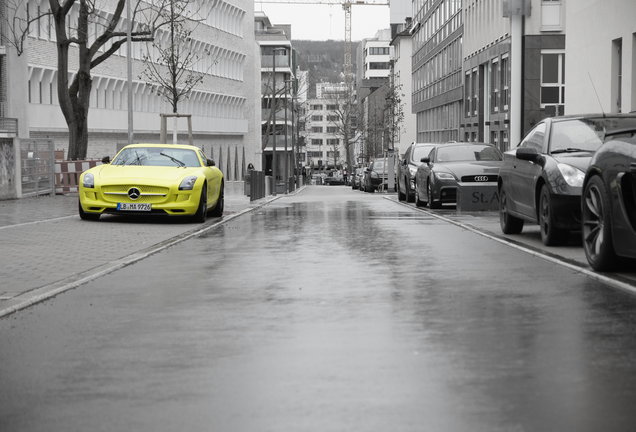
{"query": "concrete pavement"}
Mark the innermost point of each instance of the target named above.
(46, 249)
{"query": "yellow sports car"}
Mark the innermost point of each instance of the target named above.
(153, 179)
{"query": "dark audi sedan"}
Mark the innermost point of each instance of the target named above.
(436, 180)
(541, 181)
(609, 203)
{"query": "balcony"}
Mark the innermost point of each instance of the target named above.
(8, 127)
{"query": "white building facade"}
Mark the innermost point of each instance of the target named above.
(223, 107)
(601, 58)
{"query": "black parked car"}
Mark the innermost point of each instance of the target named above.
(541, 181)
(375, 175)
(408, 167)
(609, 202)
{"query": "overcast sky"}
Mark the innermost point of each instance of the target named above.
(323, 22)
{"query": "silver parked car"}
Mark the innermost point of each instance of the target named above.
(408, 167)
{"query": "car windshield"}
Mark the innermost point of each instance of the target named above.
(421, 152)
(584, 134)
(157, 156)
(469, 152)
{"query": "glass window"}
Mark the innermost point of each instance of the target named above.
(468, 153)
(157, 156)
(535, 138)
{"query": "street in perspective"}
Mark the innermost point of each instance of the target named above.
(327, 309)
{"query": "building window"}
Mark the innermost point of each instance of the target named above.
(332, 118)
(553, 80)
(316, 107)
(504, 70)
(467, 93)
(316, 118)
(617, 73)
(495, 81)
(333, 142)
(316, 141)
(316, 129)
(332, 107)
(332, 129)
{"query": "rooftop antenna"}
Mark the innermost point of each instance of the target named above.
(596, 93)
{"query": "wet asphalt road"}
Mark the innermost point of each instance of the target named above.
(332, 310)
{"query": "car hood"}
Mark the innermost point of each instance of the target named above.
(578, 160)
(142, 174)
(460, 169)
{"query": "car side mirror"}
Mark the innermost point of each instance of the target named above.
(106, 160)
(529, 154)
(210, 162)
(426, 160)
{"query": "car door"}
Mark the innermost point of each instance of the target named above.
(525, 173)
(424, 171)
(404, 169)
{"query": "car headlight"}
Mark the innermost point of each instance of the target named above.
(444, 176)
(188, 183)
(573, 176)
(412, 171)
(89, 180)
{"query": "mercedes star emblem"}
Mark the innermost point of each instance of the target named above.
(134, 193)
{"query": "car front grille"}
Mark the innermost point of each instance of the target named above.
(149, 194)
(481, 178)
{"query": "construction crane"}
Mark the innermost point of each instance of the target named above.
(346, 6)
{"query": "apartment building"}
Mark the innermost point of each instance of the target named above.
(222, 106)
(278, 84)
(323, 135)
(601, 58)
(437, 69)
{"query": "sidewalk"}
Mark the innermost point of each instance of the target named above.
(45, 248)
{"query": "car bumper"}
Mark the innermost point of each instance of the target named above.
(174, 203)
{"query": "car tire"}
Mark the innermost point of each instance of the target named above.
(550, 235)
(217, 211)
(410, 195)
(509, 224)
(596, 226)
(87, 216)
(431, 202)
(418, 201)
(202, 210)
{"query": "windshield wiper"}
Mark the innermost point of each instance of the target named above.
(571, 150)
(173, 159)
(138, 159)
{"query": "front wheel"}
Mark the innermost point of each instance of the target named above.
(597, 235)
(509, 224)
(418, 201)
(217, 211)
(431, 202)
(550, 234)
(86, 216)
(202, 210)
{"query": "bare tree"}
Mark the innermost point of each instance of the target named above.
(346, 114)
(93, 35)
(395, 112)
(172, 66)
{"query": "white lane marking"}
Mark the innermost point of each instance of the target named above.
(55, 288)
(577, 268)
(37, 222)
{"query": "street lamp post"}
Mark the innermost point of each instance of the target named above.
(274, 164)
